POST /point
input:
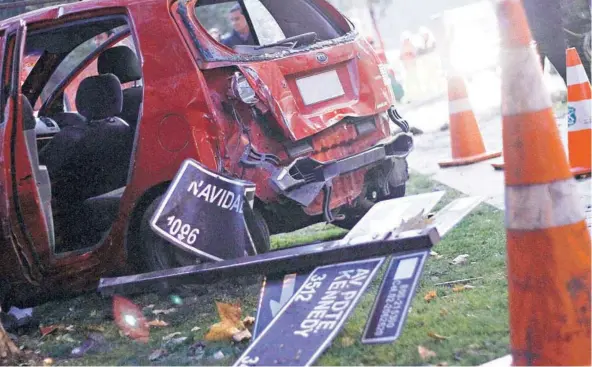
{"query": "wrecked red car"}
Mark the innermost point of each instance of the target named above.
(103, 101)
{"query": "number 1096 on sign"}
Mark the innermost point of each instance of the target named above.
(183, 232)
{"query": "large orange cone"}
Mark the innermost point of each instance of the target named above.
(465, 136)
(548, 243)
(579, 97)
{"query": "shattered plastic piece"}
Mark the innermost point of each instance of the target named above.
(218, 355)
(171, 336)
(461, 259)
(158, 353)
(164, 312)
(242, 335)
(130, 320)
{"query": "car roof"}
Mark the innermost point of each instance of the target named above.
(55, 11)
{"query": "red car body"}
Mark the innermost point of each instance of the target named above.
(185, 113)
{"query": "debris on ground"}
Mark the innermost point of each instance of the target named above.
(460, 259)
(430, 296)
(230, 323)
(460, 288)
(158, 323)
(170, 336)
(157, 354)
(130, 320)
(436, 336)
(425, 353)
(164, 312)
(218, 355)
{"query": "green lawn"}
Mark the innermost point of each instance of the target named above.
(474, 320)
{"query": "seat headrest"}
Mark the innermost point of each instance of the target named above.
(99, 97)
(122, 62)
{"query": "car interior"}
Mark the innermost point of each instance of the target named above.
(278, 25)
(81, 154)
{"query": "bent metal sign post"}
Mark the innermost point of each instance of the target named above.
(308, 323)
(202, 212)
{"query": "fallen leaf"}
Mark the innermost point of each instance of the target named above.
(48, 362)
(425, 353)
(94, 328)
(164, 312)
(229, 325)
(460, 259)
(436, 255)
(443, 312)
(430, 296)
(46, 330)
(197, 328)
(158, 353)
(346, 341)
(158, 323)
(436, 336)
(171, 336)
(177, 341)
(460, 288)
(242, 335)
(442, 364)
(249, 320)
(66, 338)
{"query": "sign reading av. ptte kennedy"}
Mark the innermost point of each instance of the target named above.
(394, 298)
(276, 292)
(312, 318)
(202, 212)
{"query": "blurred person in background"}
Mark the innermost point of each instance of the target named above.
(241, 33)
(427, 63)
(408, 56)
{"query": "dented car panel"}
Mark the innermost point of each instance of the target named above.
(320, 110)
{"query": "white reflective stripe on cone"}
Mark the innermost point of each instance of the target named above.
(505, 361)
(523, 86)
(576, 75)
(458, 106)
(533, 207)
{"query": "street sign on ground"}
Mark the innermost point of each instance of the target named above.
(305, 327)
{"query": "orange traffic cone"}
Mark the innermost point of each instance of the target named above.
(465, 136)
(579, 97)
(548, 243)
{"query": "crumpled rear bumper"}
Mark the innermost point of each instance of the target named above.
(303, 179)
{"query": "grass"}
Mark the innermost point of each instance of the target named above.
(474, 321)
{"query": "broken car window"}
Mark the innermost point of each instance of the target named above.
(259, 26)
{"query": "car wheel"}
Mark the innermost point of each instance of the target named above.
(258, 229)
(354, 216)
(158, 253)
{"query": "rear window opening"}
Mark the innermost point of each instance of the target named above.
(258, 27)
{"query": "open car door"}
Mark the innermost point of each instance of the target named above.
(28, 184)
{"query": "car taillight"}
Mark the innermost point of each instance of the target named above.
(241, 89)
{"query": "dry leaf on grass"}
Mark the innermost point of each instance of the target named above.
(436, 255)
(430, 296)
(460, 288)
(425, 353)
(436, 336)
(248, 321)
(158, 323)
(460, 259)
(230, 323)
(346, 341)
(443, 312)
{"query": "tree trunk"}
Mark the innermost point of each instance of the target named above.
(8, 349)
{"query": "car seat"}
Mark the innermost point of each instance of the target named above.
(122, 62)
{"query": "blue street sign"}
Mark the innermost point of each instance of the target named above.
(394, 298)
(305, 327)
